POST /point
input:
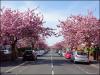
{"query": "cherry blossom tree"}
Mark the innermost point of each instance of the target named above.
(78, 29)
(41, 43)
(16, 25)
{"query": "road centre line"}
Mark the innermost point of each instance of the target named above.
(52, 72)
(52, 67)
(16, 67)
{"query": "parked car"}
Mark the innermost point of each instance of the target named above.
(63, 53)
(60, 52)
(29, 55)
(68, 55)
(80, 56)
(5, 55)
(6, 51)
(40, 52)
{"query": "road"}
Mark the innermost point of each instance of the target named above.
(49, 64)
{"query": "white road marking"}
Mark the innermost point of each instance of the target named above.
(94, 66)
(22, 70)
(52, 72)
(52, 67)
(16, 67)
(84, 70)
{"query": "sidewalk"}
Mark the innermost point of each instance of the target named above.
(94, 63)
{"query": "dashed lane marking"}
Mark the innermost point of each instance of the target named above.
(52, 70)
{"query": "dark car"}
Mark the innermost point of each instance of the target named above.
(29, 55)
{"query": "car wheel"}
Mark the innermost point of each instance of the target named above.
(88, 63)
(75, 62)
(71, 60)
(34, 59)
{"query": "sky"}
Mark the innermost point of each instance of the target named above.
(54, 11)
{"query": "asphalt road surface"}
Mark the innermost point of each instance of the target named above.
(48, 64)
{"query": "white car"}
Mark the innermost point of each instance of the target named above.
(63, 53)
(80, 56)
(40, 52)
(6, 51)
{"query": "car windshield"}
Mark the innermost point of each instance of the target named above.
(81, 53)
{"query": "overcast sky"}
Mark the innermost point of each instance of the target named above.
(54, 11)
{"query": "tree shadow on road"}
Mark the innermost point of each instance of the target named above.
(2, 73)
(11, 63)
(55, 62)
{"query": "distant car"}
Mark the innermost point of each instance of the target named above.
(60, 52)
(68, 55)
(29, 55)
(63, 53)
(56, 51)
(46, 51)
(80, 56)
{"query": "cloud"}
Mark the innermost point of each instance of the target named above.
(53, 40)
(28, 4)
(51, 16)
(56, 15)
(20, 5)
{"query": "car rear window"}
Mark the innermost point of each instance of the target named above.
(81, 53)
(28, 52)
(69, 52)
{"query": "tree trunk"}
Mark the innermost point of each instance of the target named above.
(88, 45)
(97, 55)
(94, 55)
(88, 54)
(14, 55)
(14, 51)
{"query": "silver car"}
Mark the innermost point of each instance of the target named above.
(80, 56)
